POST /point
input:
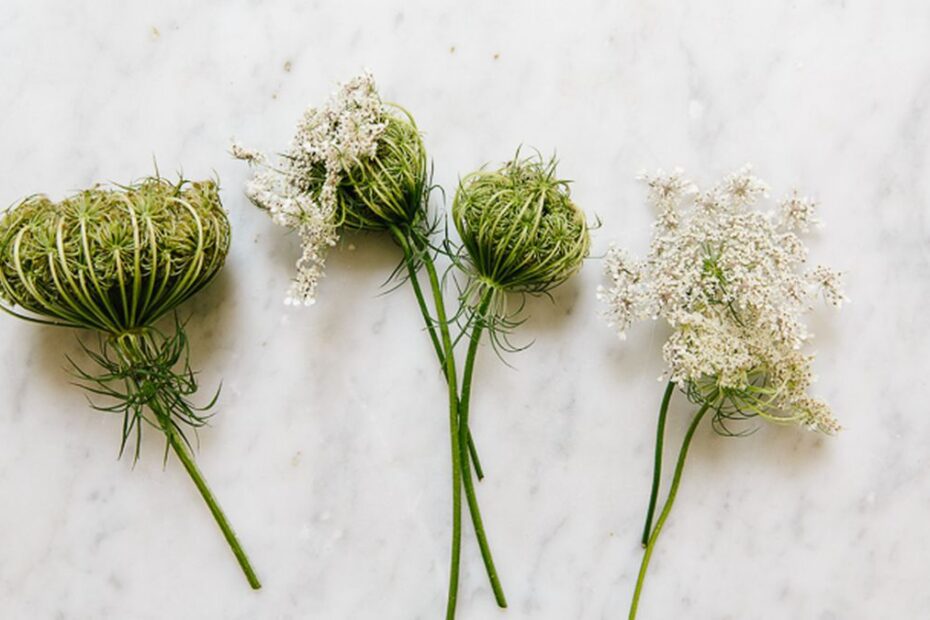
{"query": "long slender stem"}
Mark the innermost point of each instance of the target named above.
(464, 403)
(180, 449)
(135, 355)
(657, 469)
(462, 442)
(473, 454)
(409, 260)
(666, 509)
(449, 362)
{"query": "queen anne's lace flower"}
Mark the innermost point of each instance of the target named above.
(797, 213)
(301, 193)
(729, 280)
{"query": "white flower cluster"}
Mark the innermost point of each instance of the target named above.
(302, 193)
(728, 278)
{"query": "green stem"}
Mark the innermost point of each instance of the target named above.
(673, 491)
(405, 243)
(464, 402)
(135, 354)
(180, 449)
(449, 362)
(657, 469)
(473, 454)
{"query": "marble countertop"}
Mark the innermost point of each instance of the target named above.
(329, 450)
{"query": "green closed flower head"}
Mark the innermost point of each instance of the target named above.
(519, 226)
(387, 189)
(113, 259)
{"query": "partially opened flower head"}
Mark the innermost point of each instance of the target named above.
(113, 259)
(519, 226)
(387, 189)
(730, 279)
(355, 162)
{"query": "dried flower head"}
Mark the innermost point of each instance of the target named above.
(519, 226)
(728, 277)
(113, 259)
(354, 162)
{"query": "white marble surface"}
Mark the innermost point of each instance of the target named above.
(330, 452)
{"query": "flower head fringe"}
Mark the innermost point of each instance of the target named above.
(729, 279)
(302, 192)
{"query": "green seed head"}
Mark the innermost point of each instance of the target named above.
(519, 226)
(387, 189)
(114, 259)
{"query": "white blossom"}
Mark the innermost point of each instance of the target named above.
(742, 188)
(301, 193)
(829, 282)
(797, 213)
(728, 276)
(667, 187)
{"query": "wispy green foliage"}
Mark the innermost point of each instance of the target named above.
(147, 378)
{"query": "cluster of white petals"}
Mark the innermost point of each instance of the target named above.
(728, 275)
(301, 193)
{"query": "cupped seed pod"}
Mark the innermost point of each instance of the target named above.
(115, 259)
(519, 226)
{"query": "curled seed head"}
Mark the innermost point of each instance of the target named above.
(113, 258)
(519, 226)
(387, 189)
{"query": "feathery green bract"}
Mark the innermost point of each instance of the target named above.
(113, 259)
(138, 375)
(519, 226)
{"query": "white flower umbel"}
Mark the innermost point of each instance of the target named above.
(726, 270)
(728, 274)
(301, 193)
